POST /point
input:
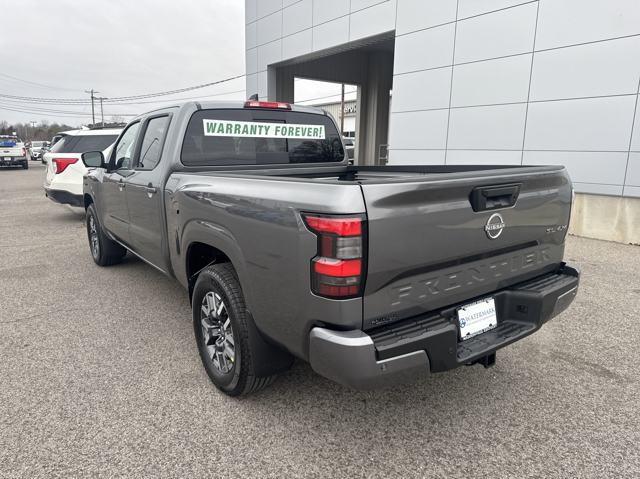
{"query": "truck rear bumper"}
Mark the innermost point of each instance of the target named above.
(12, 160)
(430, 343)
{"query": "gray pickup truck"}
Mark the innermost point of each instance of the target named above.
(371, 274)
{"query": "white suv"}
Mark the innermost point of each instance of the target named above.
(65, 170)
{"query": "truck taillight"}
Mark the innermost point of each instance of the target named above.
(60, 164)
(337, 271)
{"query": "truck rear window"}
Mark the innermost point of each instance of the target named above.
(8, 142)
(257, 137)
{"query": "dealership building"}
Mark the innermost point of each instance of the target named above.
(475, 82)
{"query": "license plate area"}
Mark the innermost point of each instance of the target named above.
(477, 318)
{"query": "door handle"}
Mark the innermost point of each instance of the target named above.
(151, 190)
(488, 198)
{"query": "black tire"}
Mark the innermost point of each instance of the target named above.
(25, 165)
(103, 251)
(241, 379)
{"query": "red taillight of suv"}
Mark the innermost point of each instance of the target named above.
(60, 164)
(338, 269)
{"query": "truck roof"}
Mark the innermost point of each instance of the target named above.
(233, 104)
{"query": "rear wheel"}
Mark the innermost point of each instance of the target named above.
(220, 319)
(104, 251)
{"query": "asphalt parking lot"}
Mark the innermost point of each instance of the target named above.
(99, 376)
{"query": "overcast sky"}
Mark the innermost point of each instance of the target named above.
(118, 47)
(59, 49)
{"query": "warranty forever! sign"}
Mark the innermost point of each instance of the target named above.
(263, 130)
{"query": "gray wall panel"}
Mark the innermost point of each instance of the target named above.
(487, 127)
(423, 90)
(417, 157)
(482, 157)
(297, 17)
(418, 130)
(506, 32)
(416, 15)
(326, 10)
(505, 80)
(594, 124)
(568, 22)
(430, 48)
(470, 8)
(633, 170)
(594, 69)
(584, 166)
(330, 34)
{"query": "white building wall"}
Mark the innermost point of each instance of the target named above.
(486, 81)
(507, 81)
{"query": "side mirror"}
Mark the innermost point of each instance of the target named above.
(93, 159)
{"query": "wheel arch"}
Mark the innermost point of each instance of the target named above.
(88, 200)
(198, 256)
(203, 242)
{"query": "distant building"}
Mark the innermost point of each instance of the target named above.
(350, 109)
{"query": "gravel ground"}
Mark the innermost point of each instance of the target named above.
(99, 376)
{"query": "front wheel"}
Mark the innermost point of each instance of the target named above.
(220, 319)
(104, 251)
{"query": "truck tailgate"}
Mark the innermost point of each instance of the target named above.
(447, 238)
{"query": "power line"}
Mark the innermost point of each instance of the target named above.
(84, 101)
(53, 112)
(173, 92)
(166, 100)
(185, 98)
(41, 85)
(62, 115)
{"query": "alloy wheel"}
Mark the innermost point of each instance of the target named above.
(93, 238)
(217, 332)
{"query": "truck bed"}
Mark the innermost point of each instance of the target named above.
(429, 241)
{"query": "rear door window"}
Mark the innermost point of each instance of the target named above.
(258, 137)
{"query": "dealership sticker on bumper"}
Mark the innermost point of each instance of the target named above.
(477, 318)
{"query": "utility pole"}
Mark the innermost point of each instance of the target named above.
(342, 112)
(101, 110)
(92, 92)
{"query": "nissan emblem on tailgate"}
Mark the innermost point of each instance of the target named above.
(495, 225)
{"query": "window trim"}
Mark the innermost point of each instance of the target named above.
(249, 166)
(145, 126)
